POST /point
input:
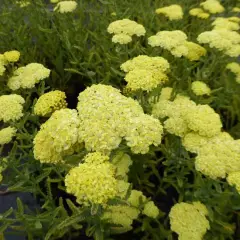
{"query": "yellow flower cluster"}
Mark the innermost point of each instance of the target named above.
(122, 215)
(106, 117)
(7, 57)
(233, 179)
(185, 116)
(57, 136)
(50, 102)
(195, 51)
(193, 141)
(144, 72)
(226, 23)
(12, 56)
(218, 158)
(124, 29)
(135, 198)
(176, 42)
(173, 41)
(172, 12)
(66, 6)
(28, 76)
(212, 6)
(11, 107)
(200, 88)
(189, 220)
(122, 161)
(2, 64)
(199, 13)
(150, 210)
(235, 68)
(6, 135)
(93, 181)
(236, 9)
(223, 40)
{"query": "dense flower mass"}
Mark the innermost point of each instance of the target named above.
(185, 116)
(122, 215)
(92, 182)
(225, 23)
(200, 88)
(106, 117)
(124, 29)
(2, 64)
(28, 76)
(145, 72)
(57, 136)
(173, 12)
(195, 51)
(212, 6)
(173, 41)
(234, 68)
(234, 180)
(223, 40)
(65, 6)
(150, 210)
(176, 42)
(218, 158)
(12, 56)
(11, 107)
(6, 135)
(198, 12)
(189, 220)
(50, 102)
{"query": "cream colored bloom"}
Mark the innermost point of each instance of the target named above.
(12, 56)
(6, 135)
(172, 12)
(66, 6)
(200, 88)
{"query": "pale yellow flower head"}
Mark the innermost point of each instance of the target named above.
(12, 56)
(50, 102)
(223, 40)
(236, 9)
(124, 29)
(3, 62)
(122, 161)
(172, 12)
(57, 136)
(92, 182)
(173, 41)
(198, 12)
(193, 142)
(234, 180)
(122, 215)
(200, 88)
(11, 107)
(234, 68)
(121, 38)
(150, 210)
(195, 51)
(28, 76)
(189, 220)
(126, 26)
(107, 117)
(225, 23)
(212, 6)
(66, 6)
(6, 135)
(135, 198)
(218, 158)
(203, 120)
